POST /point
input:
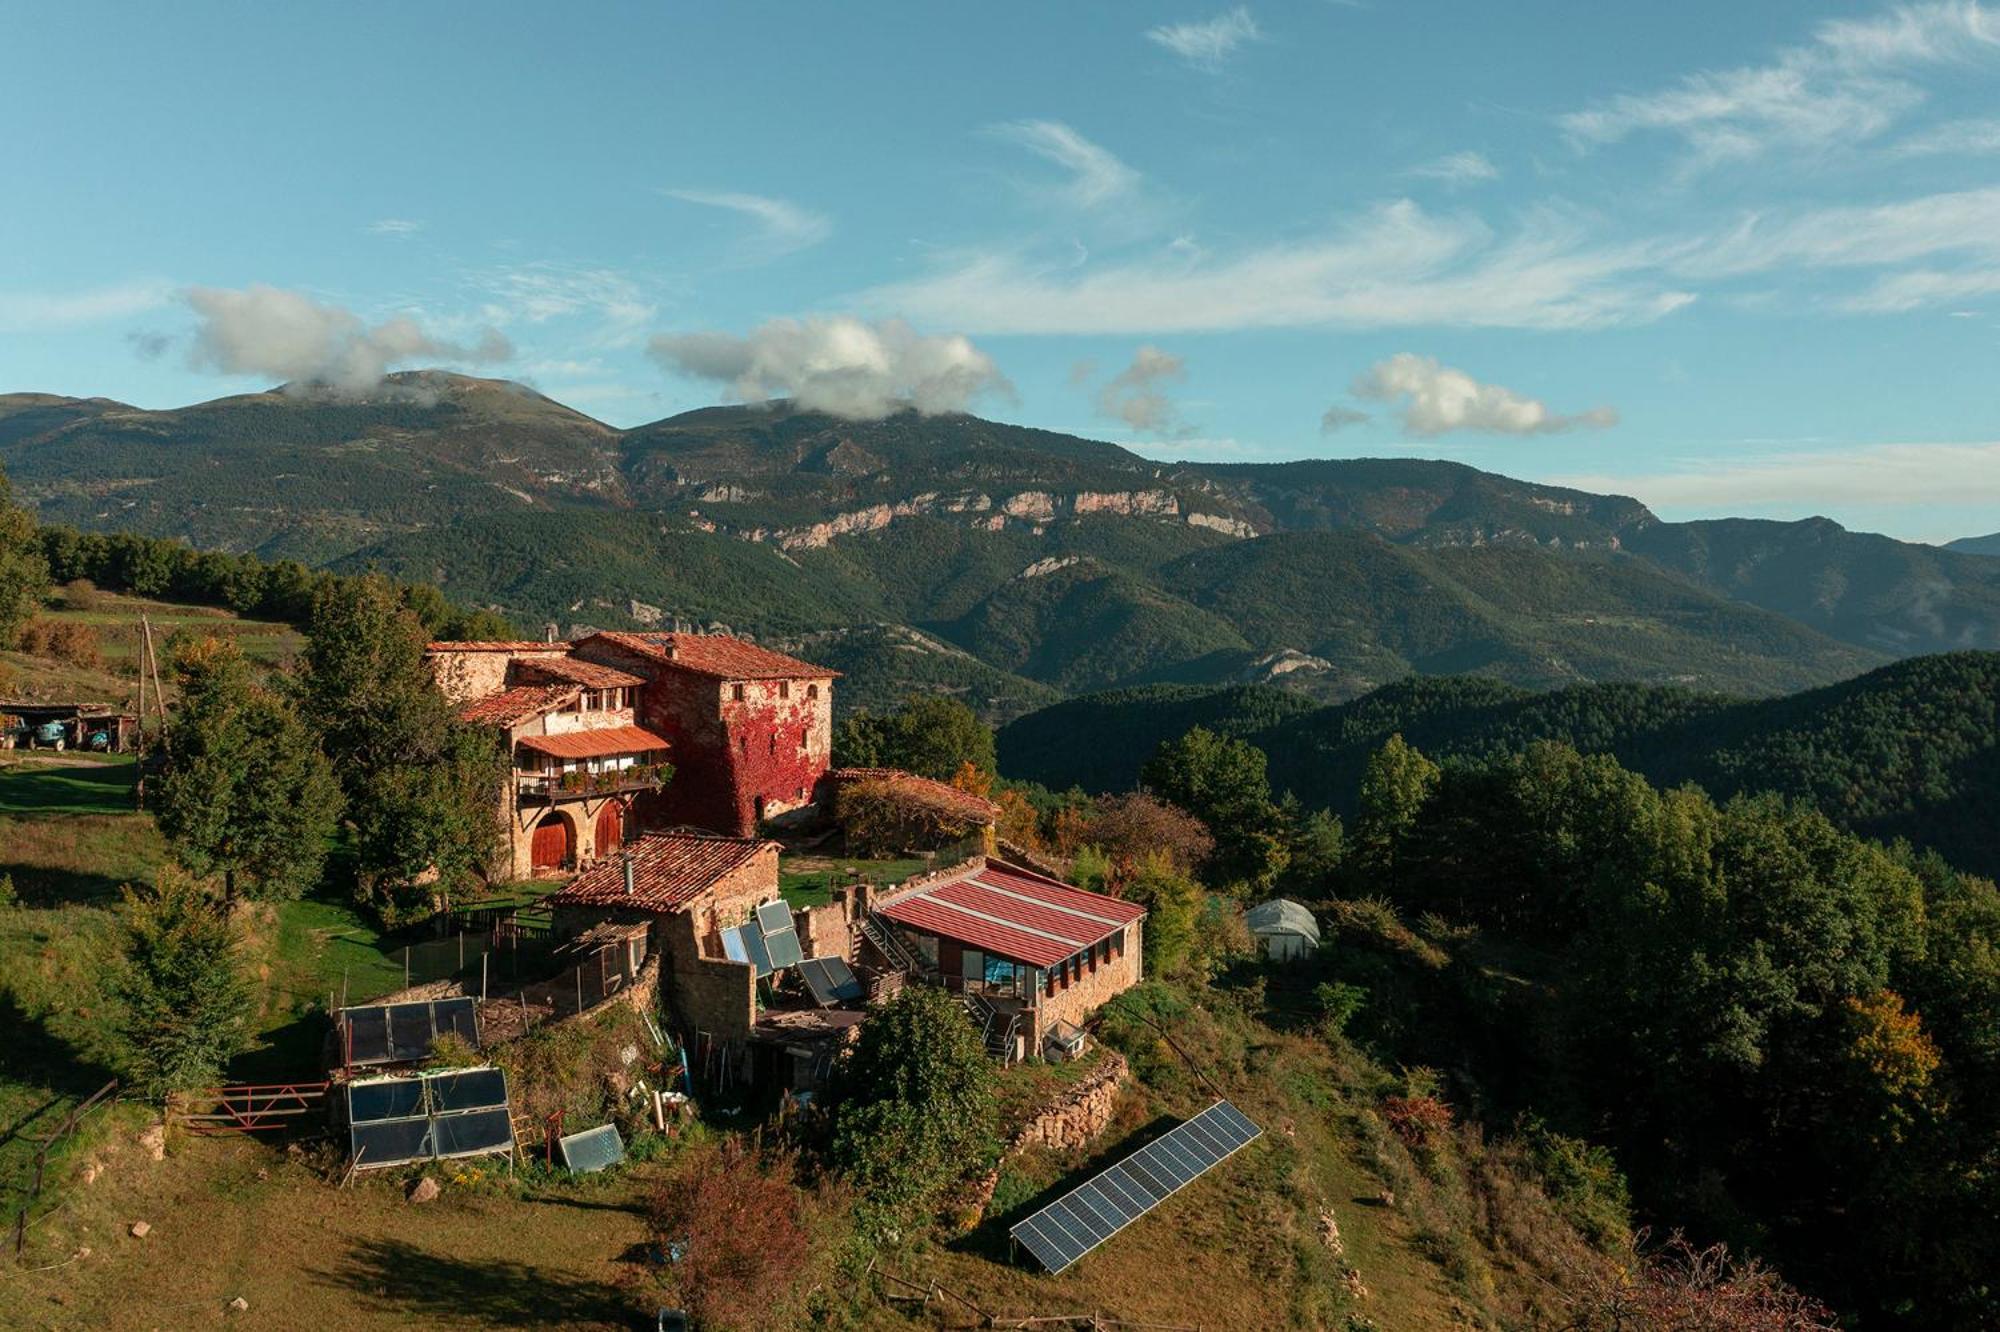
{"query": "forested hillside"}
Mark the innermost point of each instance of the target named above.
(1911, 750)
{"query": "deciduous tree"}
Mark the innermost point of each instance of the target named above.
(24, 574)
(917, 1113)
(246, 792)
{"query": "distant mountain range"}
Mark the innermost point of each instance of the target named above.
(1012, 565)
(1986, 545)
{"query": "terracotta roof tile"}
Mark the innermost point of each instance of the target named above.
(1016, 913)
(512, 706)
(669, 871)
(944, 794)
(574, 670)
(495, 645)
(718, 655)
(595, 742)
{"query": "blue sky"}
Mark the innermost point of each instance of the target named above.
(1729, 258)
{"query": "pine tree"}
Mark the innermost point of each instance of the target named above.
(246, 793)
(186, 999)
(1398, 782)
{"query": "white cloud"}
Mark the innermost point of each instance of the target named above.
(1969, 137)
(396, 226)
(1137, 394)
(1889, 475)
(1437, 399)
(1847, 84)
(1336, 418)
(1396, 266)
(1467, 168)
(838, 364)
(1207, 44)
(540, 292)
(287, 335)
(783, 227)
(48, 312)
(1097, 177)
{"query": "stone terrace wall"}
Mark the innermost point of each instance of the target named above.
(1076, 1117)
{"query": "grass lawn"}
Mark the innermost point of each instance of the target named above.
(44, 782)
(239, 1219)
(809, 881)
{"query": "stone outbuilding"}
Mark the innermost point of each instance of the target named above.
(689, 886)
(1284, 930)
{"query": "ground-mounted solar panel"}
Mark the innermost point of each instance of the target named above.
(831, 981)
(405, 1033)
(733, 947)
(753, 943)
(593, 1149)
(454, 1112)
(1092, 1212)
(473, 1133)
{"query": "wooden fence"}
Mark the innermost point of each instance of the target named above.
(63, 1130)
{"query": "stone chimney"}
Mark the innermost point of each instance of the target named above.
(549, 632)
(631, 888)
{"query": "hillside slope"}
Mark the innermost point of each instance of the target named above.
(1911, 750)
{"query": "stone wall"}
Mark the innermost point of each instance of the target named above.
(1093, 989)
(827, 931)
(1083, 1110)
(709, 994)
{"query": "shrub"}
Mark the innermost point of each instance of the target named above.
(1421, 1122)
(1338, 1003)
(80, 594)
(886, 817)
(63, 640)
(733, 1229)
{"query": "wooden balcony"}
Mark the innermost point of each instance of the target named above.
(542, 788)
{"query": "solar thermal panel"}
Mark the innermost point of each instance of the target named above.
(592, 1149)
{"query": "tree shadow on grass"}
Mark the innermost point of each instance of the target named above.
(428, 1287)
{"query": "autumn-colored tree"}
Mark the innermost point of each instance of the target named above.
(973, 779)
(732, 1226)
(1019, 822)
(1131, 828)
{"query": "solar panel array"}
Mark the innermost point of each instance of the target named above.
(460, 1112)
(831, 981)
(403, 1033)
(1099, 1208)
(593, 1149)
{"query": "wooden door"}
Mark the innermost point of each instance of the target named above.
(551, 848)
(610, 830)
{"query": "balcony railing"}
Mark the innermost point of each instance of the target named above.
(552, 786)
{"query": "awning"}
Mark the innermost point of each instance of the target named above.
(595, 743)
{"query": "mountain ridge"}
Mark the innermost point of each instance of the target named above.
(1332, 575)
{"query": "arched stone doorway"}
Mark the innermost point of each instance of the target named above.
(553, 846)
(610, 831)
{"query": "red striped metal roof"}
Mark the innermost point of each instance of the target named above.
(1016, 913)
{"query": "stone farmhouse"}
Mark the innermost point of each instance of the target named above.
(676, 866)
(588, 724)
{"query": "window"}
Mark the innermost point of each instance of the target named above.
(784, 689)
(736, 692)
(812, 691)
(774, 742)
